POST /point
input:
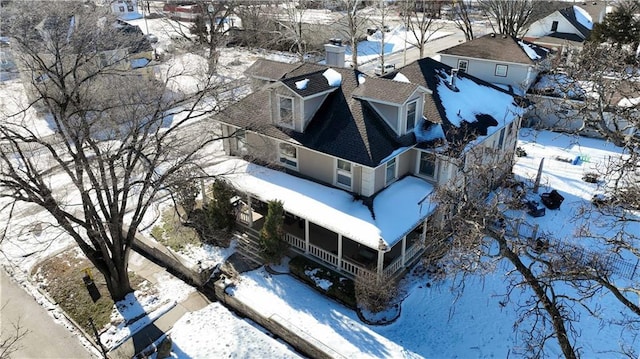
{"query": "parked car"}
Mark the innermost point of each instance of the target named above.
(387, 68)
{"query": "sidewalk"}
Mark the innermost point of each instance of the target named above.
(149, 334)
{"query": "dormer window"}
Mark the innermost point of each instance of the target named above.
(411, 115)
(285, 111)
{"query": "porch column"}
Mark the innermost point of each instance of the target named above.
(250, 211)
(306, 236)
(382, 248)
(339, 251)
(424, 232)
(380, 262)
(404, 250)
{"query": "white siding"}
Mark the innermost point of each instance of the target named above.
(518, 75)
(542, 27)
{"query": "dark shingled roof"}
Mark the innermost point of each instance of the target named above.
(348, 127)
(269, 69)
(317, 83)
(429, 73)
(570, 14)
(387, 90)
(494, 47)
(344, 127)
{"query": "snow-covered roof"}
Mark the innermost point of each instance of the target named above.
(398, 209)
(583, 17)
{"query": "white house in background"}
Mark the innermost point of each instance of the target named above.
(355, 158)
(499, 59)
(125, 9)
(567, 28)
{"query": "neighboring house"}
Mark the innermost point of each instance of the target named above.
(499, 59)
(566, 29)
(355, 158)
(125, 9)
(137, 57)
(559, 103)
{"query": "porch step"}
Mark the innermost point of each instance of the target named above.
(249, 247)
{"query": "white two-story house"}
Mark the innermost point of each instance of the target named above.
(355, 158)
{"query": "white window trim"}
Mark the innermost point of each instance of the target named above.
(506, 70)
(280, 122)
(435, 166)
(395, 171)
(241, 141)
(283, 155)
(466, 62)
(344, 173)
(415, 116)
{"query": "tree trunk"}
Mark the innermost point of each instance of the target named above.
(118, 284)
(553, 311)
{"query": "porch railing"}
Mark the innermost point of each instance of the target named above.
(294, 241)
(323, 255)
(396, 265)
(243, 217)
(412, 251)
(354, 269)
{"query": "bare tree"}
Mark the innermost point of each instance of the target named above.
(292, 27)
(209, 30)
(419, 23)
(480, 237)
(609, 108)
(461, 14)
(355, 21)
(510, 17)
(119, 140)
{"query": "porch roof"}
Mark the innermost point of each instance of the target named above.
(398, 209)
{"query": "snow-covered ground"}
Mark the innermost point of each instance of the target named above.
(436, 320)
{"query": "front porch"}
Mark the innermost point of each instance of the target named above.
(333, 249)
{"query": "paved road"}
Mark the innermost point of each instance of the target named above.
(46, 338)
(431, 49)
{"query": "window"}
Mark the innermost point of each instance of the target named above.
(288, 155)
(121, 8)
(343, 173)
(241, 141)
(285, 108)
(501, 138)
(427, 165)
(501, 70)
(554, 26)
(129, 6)
(411, 115)
(463, 65)
(391, 170)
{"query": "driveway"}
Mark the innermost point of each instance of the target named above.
(46, 338)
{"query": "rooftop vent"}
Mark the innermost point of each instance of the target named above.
(336, 41)
(493, 35)
(451, 84)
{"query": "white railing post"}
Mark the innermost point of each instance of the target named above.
(306, 236)
(404, 250)
(339, 251)
(250, 213)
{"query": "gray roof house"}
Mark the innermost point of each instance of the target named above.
(354, 158)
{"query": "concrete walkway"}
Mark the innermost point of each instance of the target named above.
(152, 332)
